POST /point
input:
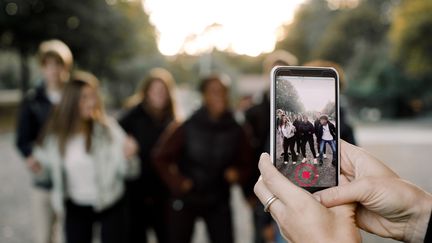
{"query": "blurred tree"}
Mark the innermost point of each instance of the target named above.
(329, 109)
(101, 34)
(352, 30)
(309, 25)
(287, 98)
(411, 37)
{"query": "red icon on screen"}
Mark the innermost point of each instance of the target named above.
(306, 175)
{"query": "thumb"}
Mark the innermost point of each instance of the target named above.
(355, 191)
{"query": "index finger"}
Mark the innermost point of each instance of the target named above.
(290, 194)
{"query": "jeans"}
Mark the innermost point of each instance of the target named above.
(332, 144)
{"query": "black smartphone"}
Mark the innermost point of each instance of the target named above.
(304, 135)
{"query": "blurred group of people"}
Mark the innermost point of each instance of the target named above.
(296, 130)
(144, 170)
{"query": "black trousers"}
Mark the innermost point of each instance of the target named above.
(297, 139)
(310, 141)
(289, 143)
(216, 216)
(145, 213)
(80, 220)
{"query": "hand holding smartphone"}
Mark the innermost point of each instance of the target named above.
(304, 143)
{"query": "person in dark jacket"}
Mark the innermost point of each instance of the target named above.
(297, 136)
(257, 125)
(151, 112)
(56, 61)
(317, 127)
(327, 134)
(199, 160)
(307, 131)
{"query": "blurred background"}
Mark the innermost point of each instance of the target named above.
(384, 47)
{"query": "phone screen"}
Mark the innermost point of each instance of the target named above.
(305, 147)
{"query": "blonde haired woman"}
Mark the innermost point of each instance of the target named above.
(86, 156)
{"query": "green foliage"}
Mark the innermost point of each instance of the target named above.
(411, 36)
(109, 38)
(392, 73)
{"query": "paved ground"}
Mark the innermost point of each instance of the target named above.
(308, 173)
(405, 146)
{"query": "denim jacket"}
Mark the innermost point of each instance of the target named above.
(111, 166)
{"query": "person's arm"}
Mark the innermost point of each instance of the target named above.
(166, 154)
(26, 135)
(26, 131)
(123, 150)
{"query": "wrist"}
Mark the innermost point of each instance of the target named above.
(417, 231)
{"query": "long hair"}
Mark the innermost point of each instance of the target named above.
(65, 119)
(141, 94)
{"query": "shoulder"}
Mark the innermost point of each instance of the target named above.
(132, 113)
(110, 127)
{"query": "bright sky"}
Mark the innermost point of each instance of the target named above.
(315, 93)
(249, 27)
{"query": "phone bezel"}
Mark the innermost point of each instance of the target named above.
(298, 71)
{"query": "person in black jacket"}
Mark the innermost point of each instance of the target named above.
(317, 125)
(199, 160)
(56, 61)
(297, 121)
(151, 112)
(307, 130)
(327, 134)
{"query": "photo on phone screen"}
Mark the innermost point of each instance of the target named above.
(305, 146)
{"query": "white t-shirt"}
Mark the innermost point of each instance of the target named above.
(288, 130)
(80, 172)
(326, 133)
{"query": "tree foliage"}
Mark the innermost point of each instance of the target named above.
(287, 97)
(411, 36)
(100, 33)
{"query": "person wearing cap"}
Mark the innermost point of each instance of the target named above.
(199, 160)
(327, 135)
(55, 59)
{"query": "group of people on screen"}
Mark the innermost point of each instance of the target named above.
(296, 131)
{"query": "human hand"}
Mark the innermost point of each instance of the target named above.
(389, 206)
(130, 147)
(299, 215)
(33, 164)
